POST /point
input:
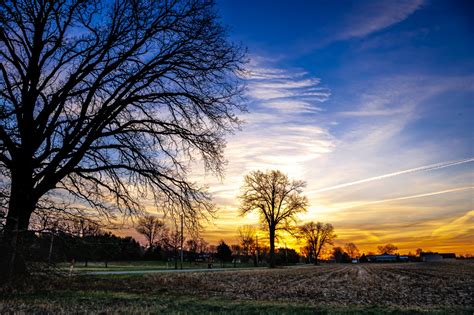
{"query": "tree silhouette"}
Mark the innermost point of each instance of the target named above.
(171, 240)
(317, 236)
(387, 249)
(151, 227)
(276, 198)
(352, 250)
(224, 253)
(340, 255)
(105, 102)
(247, 239)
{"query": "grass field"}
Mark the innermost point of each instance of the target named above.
(370, 288)
(142, 265)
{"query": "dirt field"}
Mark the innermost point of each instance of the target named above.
(415, 284)
(447, 287)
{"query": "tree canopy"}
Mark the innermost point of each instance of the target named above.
(106, 102)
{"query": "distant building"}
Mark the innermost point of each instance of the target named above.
(448, 256)
(429, 257)
(382, 258)
(386, 257)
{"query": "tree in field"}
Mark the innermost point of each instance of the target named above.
(247, 239)
(276, 198)
(352, 250)
(317, 236)
(224, 253)
(106, 102)
(151, 228)
(387, 249)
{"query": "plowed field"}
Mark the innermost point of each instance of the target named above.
(409, 288)
(410, 284)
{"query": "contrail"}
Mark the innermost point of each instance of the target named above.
(409, 197)
(430, 167)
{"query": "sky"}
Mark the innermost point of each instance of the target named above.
(369, 102)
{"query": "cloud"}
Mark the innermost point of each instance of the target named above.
(283, 89)
(374, 16)
(430, 194)
(424, 168)
(283, 129)
(340, 147)
(461, 225)
(292, 106)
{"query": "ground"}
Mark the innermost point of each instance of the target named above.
(445, 287)
(134, 267)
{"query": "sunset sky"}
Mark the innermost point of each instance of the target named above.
(371, 103)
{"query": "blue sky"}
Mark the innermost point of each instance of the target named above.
(370, 102)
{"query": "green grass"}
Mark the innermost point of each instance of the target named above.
(122, 302)
(141, 265)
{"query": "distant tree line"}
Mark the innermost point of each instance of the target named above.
(75, 240)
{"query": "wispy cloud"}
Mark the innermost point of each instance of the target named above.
(429, 194)
(284, 89)
(424, 168)
(373, 16)
(462, 225)
(283, 130)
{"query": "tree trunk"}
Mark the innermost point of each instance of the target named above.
(272, 247)
(15, 238)
(316, 255)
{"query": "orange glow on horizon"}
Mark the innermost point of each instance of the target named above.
(438, 238)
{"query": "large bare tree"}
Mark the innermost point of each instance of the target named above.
(276, 198)
(317, 236)
(106, 102)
